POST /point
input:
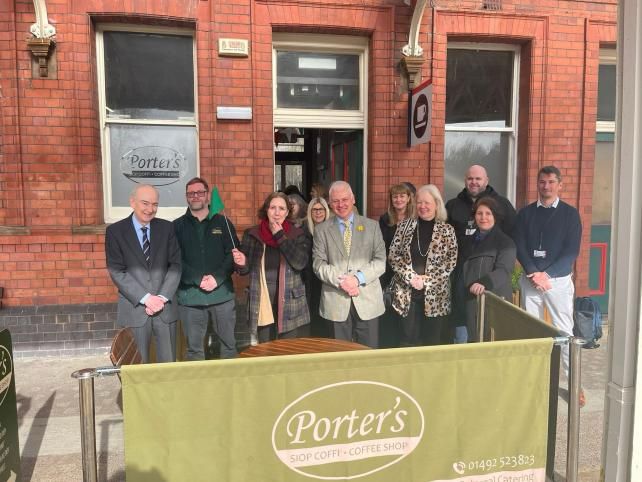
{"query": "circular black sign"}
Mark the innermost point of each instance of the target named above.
(420, 116)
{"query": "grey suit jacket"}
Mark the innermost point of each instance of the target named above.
(134, 279)
(367, 254)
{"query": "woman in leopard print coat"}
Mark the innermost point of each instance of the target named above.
(422, 255)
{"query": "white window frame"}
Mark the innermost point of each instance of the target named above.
(326, 118)
(608, 56)
(511, 174)
(114, 213)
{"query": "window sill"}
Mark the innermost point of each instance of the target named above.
(14, 230)
(90, 229)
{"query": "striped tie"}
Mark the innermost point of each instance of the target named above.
(347, 237)
(145, 244)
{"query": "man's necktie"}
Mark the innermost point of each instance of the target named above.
(145, 243)
(347, 237)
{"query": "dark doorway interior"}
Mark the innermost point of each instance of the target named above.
(305, 156)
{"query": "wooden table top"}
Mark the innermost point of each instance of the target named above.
(298, 346)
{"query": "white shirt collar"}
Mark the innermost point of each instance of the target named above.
(554, 205)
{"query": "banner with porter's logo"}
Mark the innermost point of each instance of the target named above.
(465, 413)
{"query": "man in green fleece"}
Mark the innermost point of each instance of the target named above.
(206, 288)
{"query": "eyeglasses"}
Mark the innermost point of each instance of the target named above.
(196, 193)
(318, 210)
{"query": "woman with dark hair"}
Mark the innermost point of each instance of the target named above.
(422, 255)
(401, 205)
(487, 259)
(274, 253)
(298, 210)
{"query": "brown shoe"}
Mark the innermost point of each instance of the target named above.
(582, 398)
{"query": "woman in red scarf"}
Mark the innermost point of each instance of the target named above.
(274, 253)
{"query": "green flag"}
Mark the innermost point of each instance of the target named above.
(216, 203)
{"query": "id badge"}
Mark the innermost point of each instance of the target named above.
(539, 254)
(470, 230)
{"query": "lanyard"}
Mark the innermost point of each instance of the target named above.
(541, 232)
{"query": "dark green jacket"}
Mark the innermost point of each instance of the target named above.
(206, 248)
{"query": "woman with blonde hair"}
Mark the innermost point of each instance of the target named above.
(318, 212)
(401, 205)
(423, 253)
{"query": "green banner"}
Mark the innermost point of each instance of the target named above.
(505, 321)
(474, 412)
(9, 446)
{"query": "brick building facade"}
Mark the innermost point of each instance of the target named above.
(53, 147)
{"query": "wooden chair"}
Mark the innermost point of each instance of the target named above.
(123, 349)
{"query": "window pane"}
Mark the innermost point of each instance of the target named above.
(278, 184)
(164, 156)
(479, 88)
(148, 76)
(317, 81)
(603, 182)
(463, 149)
(606, 93)
(294, 175)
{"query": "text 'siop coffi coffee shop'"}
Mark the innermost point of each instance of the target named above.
(255, 95)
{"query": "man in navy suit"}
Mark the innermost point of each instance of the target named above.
(144, 262)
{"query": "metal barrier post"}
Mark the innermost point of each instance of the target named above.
(85, 379)
(481, 316)
(574, 388)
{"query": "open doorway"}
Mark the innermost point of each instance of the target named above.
(303, 156)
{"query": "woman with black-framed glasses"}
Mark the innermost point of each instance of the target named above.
(318, 212)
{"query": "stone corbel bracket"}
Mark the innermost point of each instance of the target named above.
(42, 41)
(413, 58)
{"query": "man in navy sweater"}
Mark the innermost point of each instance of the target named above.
(547, 235)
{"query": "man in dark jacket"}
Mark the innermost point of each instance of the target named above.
(144, 262)
(206, 287)
(461, 218)
(459, 208)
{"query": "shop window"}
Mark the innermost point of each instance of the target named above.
(148, 115)
(481, 114)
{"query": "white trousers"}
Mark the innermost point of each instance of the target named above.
(559, 302)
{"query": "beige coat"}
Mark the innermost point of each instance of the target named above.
(367, 254)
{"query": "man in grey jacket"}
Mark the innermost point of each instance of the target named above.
(349, 256)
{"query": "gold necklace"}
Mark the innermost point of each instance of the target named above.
(419, 246)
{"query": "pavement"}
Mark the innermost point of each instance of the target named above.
(49, 424)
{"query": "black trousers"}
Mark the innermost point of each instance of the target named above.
(417, 329)
(268, 333)
(390, 329)
(355, 329)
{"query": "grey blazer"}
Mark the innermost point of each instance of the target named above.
(367, 254)
(131, 275)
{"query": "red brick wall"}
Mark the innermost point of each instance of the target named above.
(50, 155)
